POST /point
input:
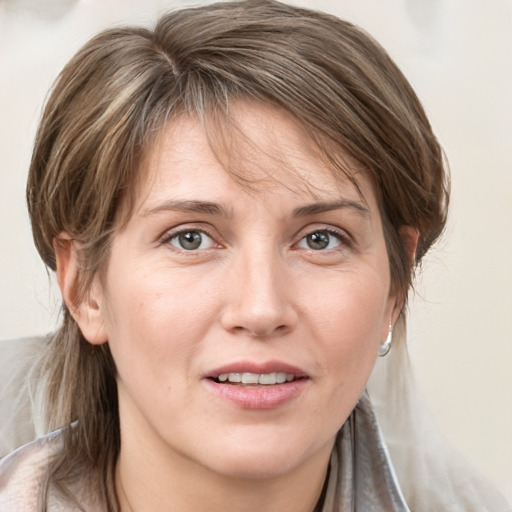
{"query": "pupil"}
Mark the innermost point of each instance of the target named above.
(190, 240)
(318, 240)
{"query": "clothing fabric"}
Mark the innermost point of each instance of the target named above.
(22, 476)
(360, 479)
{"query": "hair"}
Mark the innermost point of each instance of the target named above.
(116, 94)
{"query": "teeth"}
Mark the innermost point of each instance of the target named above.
(265, 379)
(281, 377)
(250, 378)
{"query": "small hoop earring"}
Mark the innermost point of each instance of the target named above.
(386, 346)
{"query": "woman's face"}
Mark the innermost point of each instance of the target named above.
(283, 286)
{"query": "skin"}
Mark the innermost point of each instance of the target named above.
(253, 291)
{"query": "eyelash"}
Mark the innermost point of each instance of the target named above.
(343, 238)
(169, 237)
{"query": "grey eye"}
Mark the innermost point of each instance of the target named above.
(191, 240)
(320, 240)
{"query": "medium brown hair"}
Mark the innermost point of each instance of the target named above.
(108, 105)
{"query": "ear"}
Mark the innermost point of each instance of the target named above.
(86, 310)
(409, 236)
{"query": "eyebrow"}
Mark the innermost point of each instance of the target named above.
(206, 207)
(211, 208)
(327, 206)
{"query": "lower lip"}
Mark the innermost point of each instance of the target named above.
(258, 397)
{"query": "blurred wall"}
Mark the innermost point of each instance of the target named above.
(457, 54)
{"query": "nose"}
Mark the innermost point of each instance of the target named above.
(259, 295)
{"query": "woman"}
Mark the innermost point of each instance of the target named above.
(234, 204)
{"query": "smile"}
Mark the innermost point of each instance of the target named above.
(257, 385)
(256, 379)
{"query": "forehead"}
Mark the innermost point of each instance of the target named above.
(259, 149)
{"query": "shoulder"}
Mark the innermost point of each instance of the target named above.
(23, 473)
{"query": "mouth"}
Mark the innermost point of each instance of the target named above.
(251, 373)
(248, 379)
(258, 385)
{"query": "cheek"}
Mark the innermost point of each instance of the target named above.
(348, 319)
(154, 322)
(350, 305)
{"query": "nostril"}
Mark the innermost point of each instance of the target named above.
(259, 320)
(264, 333)
(280, 330)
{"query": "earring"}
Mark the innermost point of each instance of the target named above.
(384, 348)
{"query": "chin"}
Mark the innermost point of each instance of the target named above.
(260, 459)
(248, 467)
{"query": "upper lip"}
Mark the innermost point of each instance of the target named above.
(255, 367)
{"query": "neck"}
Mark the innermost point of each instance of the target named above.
(146, 484)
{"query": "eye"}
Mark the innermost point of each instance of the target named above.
(191, 240)
(322, 239)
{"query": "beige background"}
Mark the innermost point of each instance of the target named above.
(458, 55)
